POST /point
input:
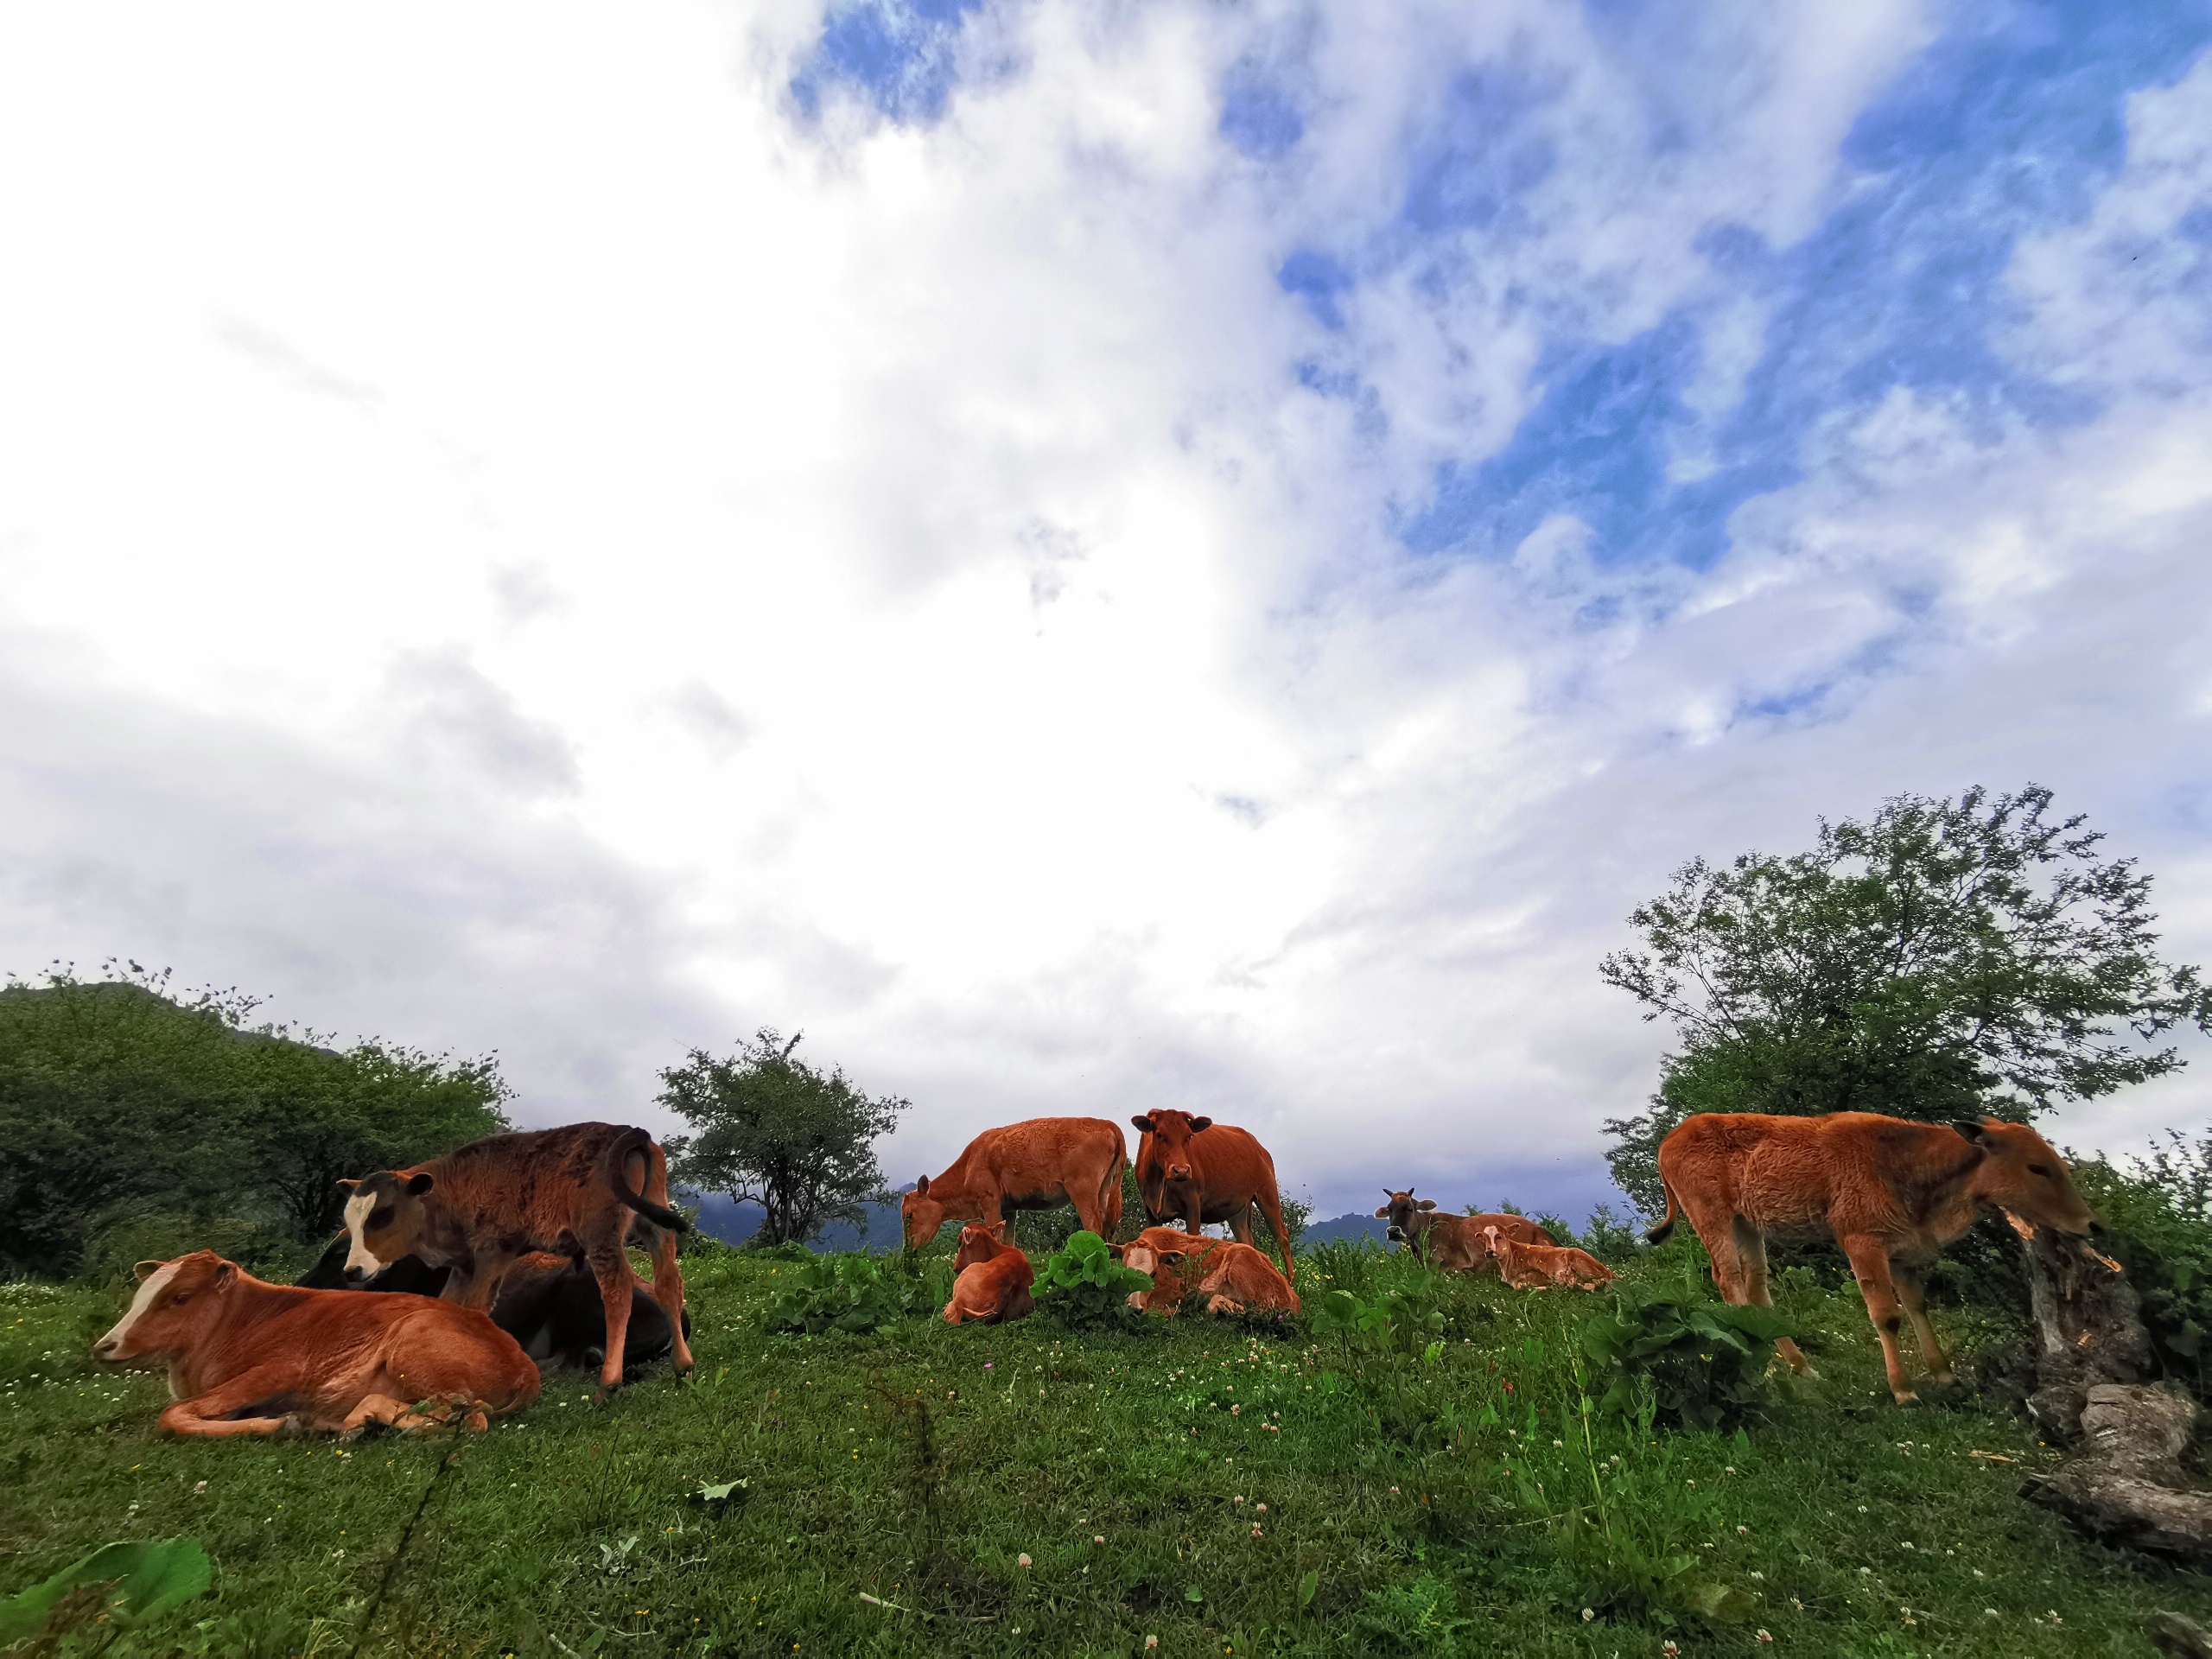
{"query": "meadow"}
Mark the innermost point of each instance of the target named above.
(1185, 1486)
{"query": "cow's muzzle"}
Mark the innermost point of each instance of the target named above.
(106, 1348)
(357, 1277)
(1396, 1235)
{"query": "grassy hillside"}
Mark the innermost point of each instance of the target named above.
(1026, 1488)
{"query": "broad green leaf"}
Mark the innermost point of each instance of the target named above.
(146, 1579)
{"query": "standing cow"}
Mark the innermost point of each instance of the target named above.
(1199, 1171)
(566, 1190)
(1891, 1192)
(1037, 1164)
(1455, 1243)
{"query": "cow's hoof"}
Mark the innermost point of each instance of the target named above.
(1905, 1396)
(607, 1392)
(291, 1428)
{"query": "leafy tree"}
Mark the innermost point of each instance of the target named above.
(119, 1098)
(782, 1133)
(1948, 958)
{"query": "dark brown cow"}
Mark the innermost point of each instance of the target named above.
(566, 1190)
(1455, 1243)
(1891, 1192)
(1233, 1276)
(1540, 1266)
(1040, 1164)
(246, 1357)
(1196, 1171)
(994, 1278)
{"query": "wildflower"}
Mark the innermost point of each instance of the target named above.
(199, 1488)
(1798, 1604)
(1239, 1500)
(1743, 1532)
(1021, 1561)
(1261, 1508)
(1559, 1446)
(1394, 1491)
(1671, 1651)
(1151, 1645)
(1255, 1532)
(1763, 1636)
(1587, 1615)
(1097, 1537)
(1992, 1611)
(1236, 1411)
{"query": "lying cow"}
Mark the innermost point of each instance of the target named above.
(546, 1303)
(1891, 1192)
(1196, 1171)
(568, 1191)
(993, 1279)
(1538, 1267)
(1040, 1164)
(1455, 1244)
(246, 1357)
(1233, 1275)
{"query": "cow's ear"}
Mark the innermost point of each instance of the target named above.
(1972, 1128)
(419, 1182)
(1384, 1211)
(1426, 1203)
(922, 1187)
(1198, 1123)
(1143, 1123)
(1114, 1251)
(1169, 1258)
(144, 1270)
(350, 1185)
(225, 1272)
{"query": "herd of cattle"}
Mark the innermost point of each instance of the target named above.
(510, 1253)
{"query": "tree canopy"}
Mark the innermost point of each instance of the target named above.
(1946, 958)
(799, 1141)
(119, 1098)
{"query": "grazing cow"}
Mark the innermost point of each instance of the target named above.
(1233, 1275)
(994, 1278)
(1036, 1164)
(1538, 1266)
(1891, 1192)
(1196, 1170)
(566, 1190)
(1455, 1244)
(546, 1303)
(246, 1357)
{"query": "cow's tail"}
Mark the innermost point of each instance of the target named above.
(618, 1161)
(1659, 1235)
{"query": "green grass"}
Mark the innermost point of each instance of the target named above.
(1428, 1506)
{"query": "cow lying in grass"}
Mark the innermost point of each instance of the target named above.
(247, 1357)
(573, 1191)
(1233, 1275)
(546, 1303)
(1455, 1243)
(994, 1278)
(1538, 1267)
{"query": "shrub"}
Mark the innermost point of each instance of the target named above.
(1083, 1284)
(1698, 1362)
(852, 1293)
(1403, 1319)
(2158, 1219)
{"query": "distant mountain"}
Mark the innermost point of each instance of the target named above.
(721, 1218)
(1354, 1225)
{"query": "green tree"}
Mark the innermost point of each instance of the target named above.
(1947, 958)
(780, 1133)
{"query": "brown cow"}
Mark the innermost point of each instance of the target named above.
(994, 1278)
(1538, 1266)
(1232, 1274)
(566, 1190)
(1218, 1178)
(1036, 1164)
(1891, 1192)
(1455, 1243)
(246, 1357)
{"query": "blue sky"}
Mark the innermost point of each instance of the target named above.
(1090, 558)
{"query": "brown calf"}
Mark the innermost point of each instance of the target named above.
(994, 1282)
(246, 1357)
(1538, 1266)
(1891, 1192)
(1233, 1275)
(1455, 1243)
(1198, 1171)
(1036, 1164)
(569, 1191)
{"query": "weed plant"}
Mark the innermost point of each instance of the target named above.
(926, 1488)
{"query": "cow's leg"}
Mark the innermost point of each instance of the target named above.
(1271, 1205)
(377, 1408)
(1109, 1200)
(610, 1267)
(1906, 1276)
(1750, 1255)
(1090, 1208)
(1716, 1231)
(668, 1291)
(1241, 1225)
(1870, 1264)
(209, 1415)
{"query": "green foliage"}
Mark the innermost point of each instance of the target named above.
(796, 1141)
(132, 1583)
(1402, 1319)
(2157, 1212)
(1699, 1362)
(855, 1295)
(119, 1098)
(1949, 958)
(1082, 1285)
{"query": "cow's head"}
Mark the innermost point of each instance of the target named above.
(977, 1243)
(922, 1215)
(1492, 1242)
(1157, 1265)
(176, 1301)
(1400, 1210)
(383, 1221)
(1171, 1133)
(2020, 1174)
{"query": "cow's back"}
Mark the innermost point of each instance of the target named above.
(1040, 1152)
(526, 1187)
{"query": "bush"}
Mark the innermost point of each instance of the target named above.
(2157, 1220)
(1697, 1362)
(852, 1293)
(1083, 1284)
(263, 1250)
(1401, 1319)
